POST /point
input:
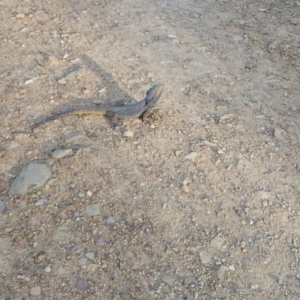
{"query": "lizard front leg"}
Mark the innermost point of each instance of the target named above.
(152, 115)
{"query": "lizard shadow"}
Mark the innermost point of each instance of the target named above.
(112, 91)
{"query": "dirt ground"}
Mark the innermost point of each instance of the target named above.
(202, 203)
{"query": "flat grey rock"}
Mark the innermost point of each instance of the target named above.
(93, 210)
(31, 177)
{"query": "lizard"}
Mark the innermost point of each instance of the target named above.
(129, 111)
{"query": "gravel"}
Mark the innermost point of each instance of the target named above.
(198, 201)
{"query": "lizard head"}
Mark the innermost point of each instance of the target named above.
(153, 94)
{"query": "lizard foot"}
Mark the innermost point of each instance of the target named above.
(153, 116)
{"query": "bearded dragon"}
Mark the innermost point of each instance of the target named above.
(128, 111)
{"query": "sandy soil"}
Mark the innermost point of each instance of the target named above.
(201, 204)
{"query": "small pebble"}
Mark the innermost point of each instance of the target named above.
(82, 284)
(62, 81)
(99, 241)
(20, 16)
(192, 156)
(93, 209)
(5, 251)
(185, 189)
(82, 261)
(226, 117)
(238, 290)
(41, 201)
(90, 255)
(92, 268)
(128, 134)
(41, 257)
(221, 272)
(61, 153)
(21, 136)
(35, 291)
(2, 205)
(111, 220)
(204, 257)
(237, 38)
(262, 195)
(217, 242)
(65, 162)
(73, 136)
(178, 153)
(23, 92)
(259, 223)
(47, 269)
(102, 92)
(254, 286)
(169, 280)
(52, 60)
(89, 193)
(30, 80)
(188, 280)
(294, 21)
(278, 134)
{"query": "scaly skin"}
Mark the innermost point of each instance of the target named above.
(130, 111)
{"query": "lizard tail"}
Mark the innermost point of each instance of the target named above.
(76, 111)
